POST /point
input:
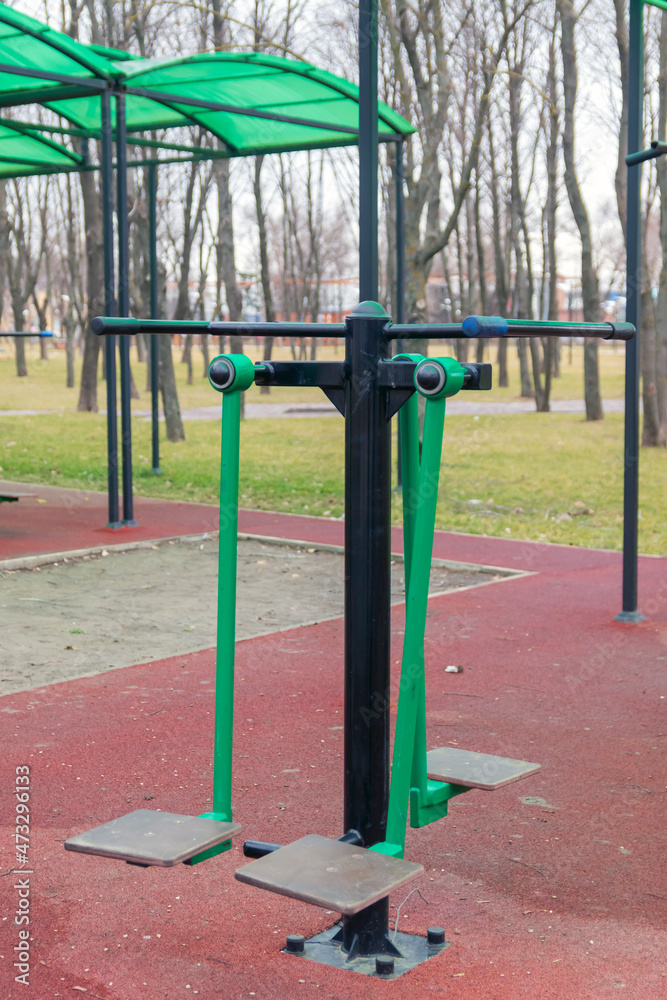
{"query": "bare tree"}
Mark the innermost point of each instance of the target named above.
(265, 275)
(589, 278)
(661, 310)
(28, 236)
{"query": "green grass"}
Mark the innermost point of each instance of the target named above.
(44, 387)
(526, 476)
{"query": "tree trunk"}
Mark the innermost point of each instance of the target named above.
(21, 367)
(225, 250)
(621, 177)
(501, 361)
(186, 358)
(651, 424)
(70, 347)
(167, 384)
(265, 275)
(542, 397)
(524, 370)
(589, 278)
(661, 311)
(92, 215)
(204, 352)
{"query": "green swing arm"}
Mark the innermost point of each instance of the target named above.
(410, 785)
(234, 373)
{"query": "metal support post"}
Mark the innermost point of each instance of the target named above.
(367, 589)
(368, 151)
(110, 308)
(630, 612)
(152, 249)
(124, 310)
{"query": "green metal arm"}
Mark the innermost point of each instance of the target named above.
(240, 374)
(409, 783)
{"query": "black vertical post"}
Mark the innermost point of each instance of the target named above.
(368, 151)
(367, 490)
(630, 611)
(367, 522)
(110, 309)
(124, 309)
(152, 249)
(367, 566)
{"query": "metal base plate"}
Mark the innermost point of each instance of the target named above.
(413, 951)
(475, 770)
(147, 837)
(330, 874)
(630, 616)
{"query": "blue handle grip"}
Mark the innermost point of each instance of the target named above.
(485, 326)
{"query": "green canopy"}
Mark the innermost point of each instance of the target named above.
(22, 153)
(251, 103)
(37, 62)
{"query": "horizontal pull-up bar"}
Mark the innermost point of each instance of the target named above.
(472, 326)
(120, 325)
(498, 326)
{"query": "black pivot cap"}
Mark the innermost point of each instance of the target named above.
(221, 373)
(430, 378)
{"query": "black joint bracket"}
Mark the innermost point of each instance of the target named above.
(329, 376)
(323, 374)
(397, 377)
(478, 376)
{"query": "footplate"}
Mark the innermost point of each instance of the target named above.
(328, 873)
(475, 770)
(147, 837)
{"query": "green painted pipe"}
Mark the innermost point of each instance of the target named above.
(420, 503)
(242, 373)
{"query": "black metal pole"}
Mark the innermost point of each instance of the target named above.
(367, 566)
(152, 248)
(630, 611)
(368, 152)
(110, 308)
(124, 309)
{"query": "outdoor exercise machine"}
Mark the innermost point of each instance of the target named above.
(352, 875)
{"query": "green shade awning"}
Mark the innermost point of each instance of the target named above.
(251, 102)
(264, 103)
(22, 153)
(28, 47)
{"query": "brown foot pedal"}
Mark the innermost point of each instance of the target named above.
(475, 770)
(147, 837)
(328, 873)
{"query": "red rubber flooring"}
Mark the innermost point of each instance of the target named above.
(551, 888)
(62, 520)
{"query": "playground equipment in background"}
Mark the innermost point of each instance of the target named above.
(354, 874)
(42, 334)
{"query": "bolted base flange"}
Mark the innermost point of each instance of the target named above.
(400, 952)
